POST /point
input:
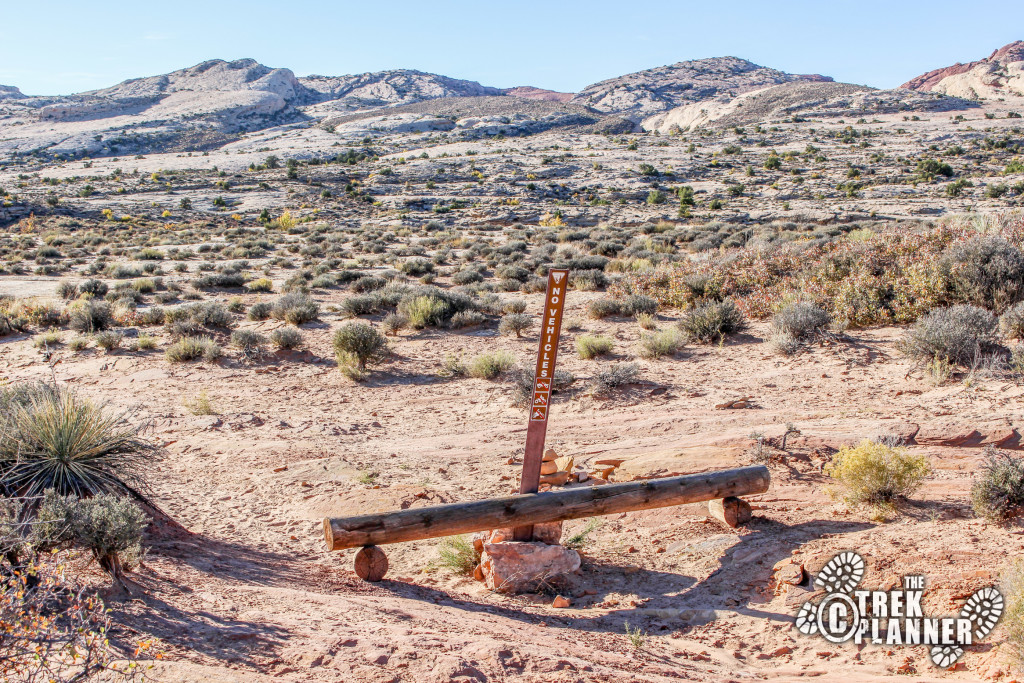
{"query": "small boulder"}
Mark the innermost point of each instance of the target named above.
(520, 567)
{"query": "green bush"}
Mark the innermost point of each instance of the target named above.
(359, 344)
(424, 311)
(877, 474)
(51, 438)
(193, 348)
(286, 338)
(659, 344)
(490, 365)
(998, 489)
(712, 321)
(590, 346)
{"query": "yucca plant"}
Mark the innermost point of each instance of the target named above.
(51, 438)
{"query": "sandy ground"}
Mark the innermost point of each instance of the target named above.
(247, 592)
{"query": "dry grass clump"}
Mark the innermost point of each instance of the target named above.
(458, 554)
(958, 334)
(590, 346)
(661, 343)
(193, 348)
(490, 365)
(1012, 585)
(876, 473)
(998, 489)
(712, 321)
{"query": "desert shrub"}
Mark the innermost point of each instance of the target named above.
(796, 324)
(514, 306)
(877, 474)
(96, 288)
(458, 554)
(467, 319)
(259, 311)
(286, 338)
(515, 323)
(67, 290)
(394, 323)
(108, 525)
(108, 340)
(91, 316)
(368, 283)
(56, 628)
(467, 277)
(1013, 618)
(145, 342)
(986, 271)
(154, 315)
(193, 348)
(359, 344)
(490, 365)
(1011, 322)
(661, 343)
(998, 489)
(360, 304)
(712, 321)
(249, 342)
(295, 308)
(51, 438)
(638, 304)
(603, 308)
(590, 346)
(613, 377)
(958, 334)
(423, 311)
(416, 266)
(263, 284)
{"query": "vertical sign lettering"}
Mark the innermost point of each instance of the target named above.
(550, 330)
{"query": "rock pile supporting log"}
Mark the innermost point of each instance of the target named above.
(536, 508)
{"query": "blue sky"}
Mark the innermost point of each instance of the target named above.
(57, 47)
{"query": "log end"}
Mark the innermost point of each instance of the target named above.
(371, 563)
(328, 533)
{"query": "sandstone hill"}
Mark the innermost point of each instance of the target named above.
(645, 93)
(1001, 74)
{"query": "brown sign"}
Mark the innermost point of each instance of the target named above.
(543, 378)
(551, 328)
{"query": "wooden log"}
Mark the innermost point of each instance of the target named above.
(535, 508)
(371, 563)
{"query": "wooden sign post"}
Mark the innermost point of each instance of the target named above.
(543, 378)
